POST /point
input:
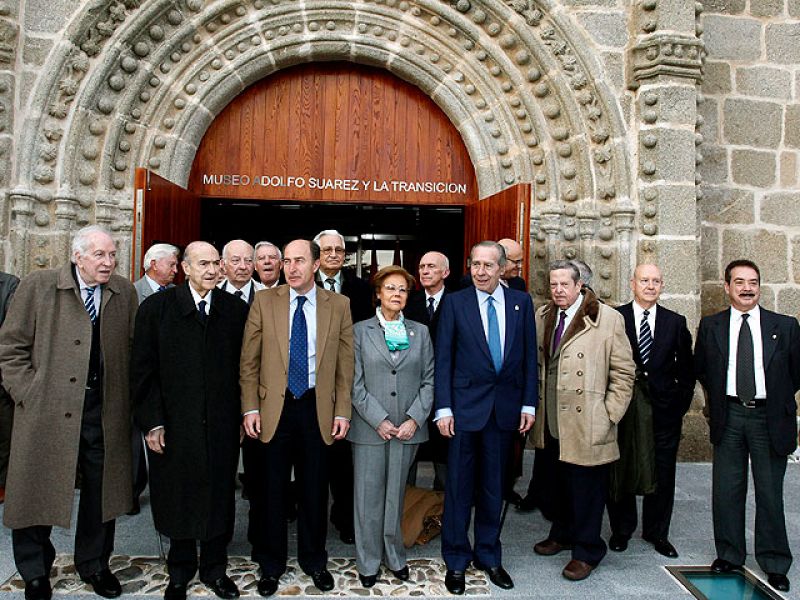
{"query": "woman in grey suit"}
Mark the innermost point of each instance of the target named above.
(392, 396)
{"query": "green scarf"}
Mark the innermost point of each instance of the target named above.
(394, 332)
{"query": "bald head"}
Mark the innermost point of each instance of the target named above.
(647, 284)
(201, 265)
(434, 267)
(513, 258)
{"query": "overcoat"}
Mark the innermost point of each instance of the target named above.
(185, 377)
(595, 383)
(44, 357)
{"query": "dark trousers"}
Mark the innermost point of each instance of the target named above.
(182, 559)
(746, 436)
(297, 442)
(542, 475)
(476, 472)
(94, 540)
(341, 484)
(6, 421)
(656, 507)
(575, 503)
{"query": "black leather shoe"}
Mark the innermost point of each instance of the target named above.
(347, 537)
(528, 504)
(38, 589)
(267, 585)
(368, 581)
(323, 580)
(105, 584)
(497, 575)
(455, 582)
(663, 547)
(223, 587)
(175, 591)
(618, 543)
(723, 566)
(777, 580)
(513, 498)
(402, 574)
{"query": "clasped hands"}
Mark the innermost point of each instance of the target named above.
(405, 432)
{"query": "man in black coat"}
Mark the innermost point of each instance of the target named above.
(185, 383)
(748, 360)
(662, 349)
(333, 277)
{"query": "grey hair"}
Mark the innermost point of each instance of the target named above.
(569, 265)
(267, 244)
(318, 237)
(80, 242)
(501, 252)
(585, 271)
(159, 251)
(226, 247)
(445, 260)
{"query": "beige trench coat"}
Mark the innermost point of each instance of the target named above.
(596, 372)
(44, 358)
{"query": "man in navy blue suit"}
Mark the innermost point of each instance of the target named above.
(486, 390)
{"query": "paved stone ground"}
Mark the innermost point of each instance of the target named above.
(636, 574)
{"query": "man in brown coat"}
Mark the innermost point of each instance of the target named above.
(64, 355)
(296, 373)
(586, 373)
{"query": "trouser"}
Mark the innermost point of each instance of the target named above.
(94, 540)
(6, 421)
(341, 485)
(746, 436)
(182, 559)
(297, 441)
(138, 462)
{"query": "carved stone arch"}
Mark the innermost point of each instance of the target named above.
(140, 86)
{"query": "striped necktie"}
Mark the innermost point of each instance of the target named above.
(645, 338)
(89, 304)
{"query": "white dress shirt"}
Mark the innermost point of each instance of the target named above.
(246, 289)
(754, 321)
(337, 279)
(154, 285)
(98, 291)
(638, 315)
(310, 312)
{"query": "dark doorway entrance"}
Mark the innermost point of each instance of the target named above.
(390, 231)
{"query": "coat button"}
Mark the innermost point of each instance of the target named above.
(580, 354)
(394, 394)
(77, 342)
(580, 373)
(394, 372)
(579, 391)
(578, 408)
(72, 380)
(68, 415)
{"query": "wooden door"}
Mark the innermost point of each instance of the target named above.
(502, 215)
(163, 213)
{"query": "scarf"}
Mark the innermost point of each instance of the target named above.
(394, 332)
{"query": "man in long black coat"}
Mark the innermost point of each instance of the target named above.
(185, 382)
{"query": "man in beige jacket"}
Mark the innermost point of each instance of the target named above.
(586, 373)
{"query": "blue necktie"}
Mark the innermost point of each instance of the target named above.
(161, 288)
(201, 310)
(494, 336)
(298, 352)
(89, 304)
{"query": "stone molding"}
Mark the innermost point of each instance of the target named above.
(671, 54)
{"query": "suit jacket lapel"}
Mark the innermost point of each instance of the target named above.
(722, 333)
(280, 320)
(769, 336)
(377, 338)
(630, 330)
(659, 335)
(473, 317)
(512, 315)
(323, 322)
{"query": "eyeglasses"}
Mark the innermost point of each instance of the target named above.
(393, 288)
(332, 250)
(517, 262)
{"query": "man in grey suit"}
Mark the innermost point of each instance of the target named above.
(160, 264)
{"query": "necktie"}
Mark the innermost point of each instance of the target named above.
(494, 336)
(201, 309)
(559, 330)
(239, 294)
(745, 363)
(431, 309)
(298, 352)
(161, 288)
(89, 304)
(332, 283)
(645, 338)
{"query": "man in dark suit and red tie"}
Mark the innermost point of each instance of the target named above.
(662, 349)
(485, 390)
(748, 360)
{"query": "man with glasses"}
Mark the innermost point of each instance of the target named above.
(332, 277)
(514, 262)
(485, 392)
(238, 265)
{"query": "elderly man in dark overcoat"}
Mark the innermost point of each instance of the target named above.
(185, 385)
(64, 355)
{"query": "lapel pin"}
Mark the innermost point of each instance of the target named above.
(411, 333)
(516, 307)
(774, 336)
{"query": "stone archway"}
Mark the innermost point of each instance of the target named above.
(139, 83)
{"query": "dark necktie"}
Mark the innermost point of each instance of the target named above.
(298, 352)
(161, 288)
(89, 304)
(201, 309)
(745, 363)
(332, 283)
(239, 294)
(431, 309)
(645, 338)
(559, 330)
(494, 335)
